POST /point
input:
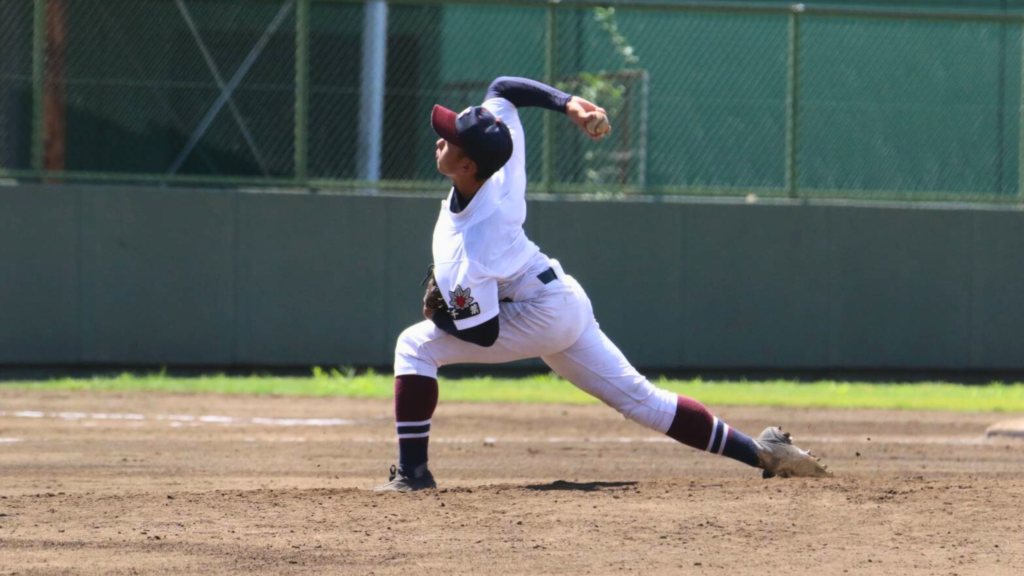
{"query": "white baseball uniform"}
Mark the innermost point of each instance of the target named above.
(487, 267)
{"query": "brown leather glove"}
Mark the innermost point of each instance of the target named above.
(432, 298)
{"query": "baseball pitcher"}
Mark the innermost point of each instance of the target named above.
(495, 297)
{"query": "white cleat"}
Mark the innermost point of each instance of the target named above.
(780, 457)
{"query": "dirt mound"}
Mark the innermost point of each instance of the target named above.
(116, 483)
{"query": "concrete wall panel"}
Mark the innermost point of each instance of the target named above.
(900, 288)
(39, 275)
(311, 279)
(143, 276)
(157, 276)
(755, 288)
(997, 293)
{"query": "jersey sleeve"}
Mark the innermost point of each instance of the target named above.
(526, 93)
(472, 296)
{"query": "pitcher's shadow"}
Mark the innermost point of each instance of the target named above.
(581, 486)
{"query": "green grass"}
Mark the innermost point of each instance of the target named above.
(549, 389)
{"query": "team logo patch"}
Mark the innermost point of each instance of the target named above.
(462, 303)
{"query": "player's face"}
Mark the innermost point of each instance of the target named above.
(451, 160)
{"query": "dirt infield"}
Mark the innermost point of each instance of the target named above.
(122, 484)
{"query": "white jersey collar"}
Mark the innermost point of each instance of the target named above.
(482, 203)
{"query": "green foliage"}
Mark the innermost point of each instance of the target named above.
(605, 18)
(605, 90)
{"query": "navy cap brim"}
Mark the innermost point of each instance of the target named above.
(442, 120)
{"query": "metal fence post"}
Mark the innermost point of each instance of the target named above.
(372, 91)
(302, 10)
(38, 81)
(550, 70)
(793, 101)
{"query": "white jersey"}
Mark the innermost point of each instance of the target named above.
(482, 254)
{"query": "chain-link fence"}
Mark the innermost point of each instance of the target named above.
(167, 87)
(15, 83)
(733, 98)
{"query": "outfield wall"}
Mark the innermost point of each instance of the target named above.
(194, 277)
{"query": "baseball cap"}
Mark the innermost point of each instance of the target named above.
(484, 137)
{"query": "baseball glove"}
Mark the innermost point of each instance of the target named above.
(432, 298)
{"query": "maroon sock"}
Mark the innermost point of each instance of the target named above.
(698, 428)
(415, 401)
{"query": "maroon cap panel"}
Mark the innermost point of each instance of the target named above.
(442, 120)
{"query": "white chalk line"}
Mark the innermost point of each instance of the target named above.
(177, 420)
(907, 440)
(181, 420)
(9, 440)
(942, 440)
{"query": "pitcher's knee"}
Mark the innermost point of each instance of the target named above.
(655, 410)
(633, 411)
(410, 355)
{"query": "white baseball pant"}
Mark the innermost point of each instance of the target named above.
(556, 324)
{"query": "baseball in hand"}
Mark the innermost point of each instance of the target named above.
(598, 125)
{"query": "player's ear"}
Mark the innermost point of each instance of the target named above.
(468, 167)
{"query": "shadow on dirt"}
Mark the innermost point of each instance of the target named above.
(581, 486)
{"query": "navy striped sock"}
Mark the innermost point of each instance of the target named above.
(413, 440)
(729, 442)
(695, 426)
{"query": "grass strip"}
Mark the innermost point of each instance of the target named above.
(549, 389)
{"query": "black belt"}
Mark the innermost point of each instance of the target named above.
(546, 277)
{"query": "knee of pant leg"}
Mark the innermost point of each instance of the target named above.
(626, 394)
(410, 355)
(655, 411)
(635, 411)
(628, 411)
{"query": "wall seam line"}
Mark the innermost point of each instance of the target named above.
(235, 233)
(387, 277)
(971, 291)
(80, 252)
(831, 259)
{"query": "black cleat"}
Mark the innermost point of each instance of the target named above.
(398, 481)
